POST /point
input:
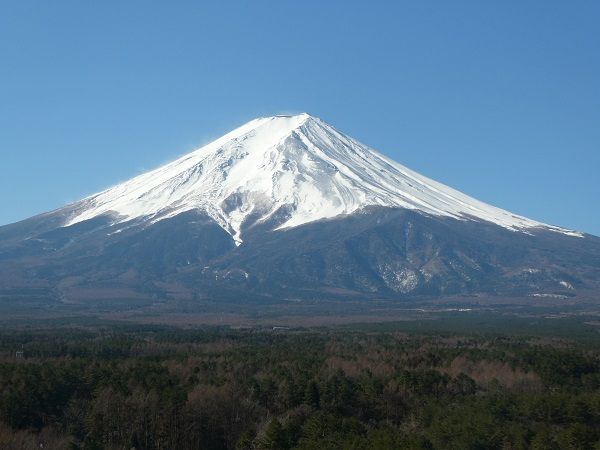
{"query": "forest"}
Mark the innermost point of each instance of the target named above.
(393, 386)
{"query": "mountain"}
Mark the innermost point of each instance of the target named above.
(296, 167)
(288, 208)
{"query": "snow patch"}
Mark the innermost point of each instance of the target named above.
(567, 285)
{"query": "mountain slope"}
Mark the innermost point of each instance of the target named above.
(287, 207)
(296, 166)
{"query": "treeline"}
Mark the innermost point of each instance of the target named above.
(160, 388)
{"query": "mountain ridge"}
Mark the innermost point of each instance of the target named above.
(296, 162)
(288, 209)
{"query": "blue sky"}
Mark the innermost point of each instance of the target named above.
(498, 99)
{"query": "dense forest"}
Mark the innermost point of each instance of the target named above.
(376, 387)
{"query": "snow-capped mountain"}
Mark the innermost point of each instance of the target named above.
(288, 208)
(296, 164)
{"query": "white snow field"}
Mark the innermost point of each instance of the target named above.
(298, 162)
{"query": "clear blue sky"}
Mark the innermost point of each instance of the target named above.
(498, 99)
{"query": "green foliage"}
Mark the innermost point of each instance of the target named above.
(155, 388)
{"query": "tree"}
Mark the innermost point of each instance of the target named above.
(274, 436)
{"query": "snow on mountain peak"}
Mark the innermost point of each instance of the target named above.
(295, 168)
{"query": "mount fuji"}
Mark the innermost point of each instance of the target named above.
(296, 164)
(288, 207)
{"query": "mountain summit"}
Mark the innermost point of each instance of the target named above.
(287, 208)
(291, 170)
